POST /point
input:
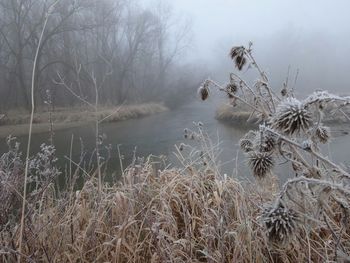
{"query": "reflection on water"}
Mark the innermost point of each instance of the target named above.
(159, 133)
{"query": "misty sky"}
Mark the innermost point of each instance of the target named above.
(215, 20)
(310, 35)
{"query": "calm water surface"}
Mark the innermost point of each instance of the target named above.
(157, 135)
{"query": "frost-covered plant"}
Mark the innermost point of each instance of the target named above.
(42, 167)
(42, 171)
(322, 134)
(203, 90)
(11, 172)
(280, 223)
(290, 130)
(246, 145)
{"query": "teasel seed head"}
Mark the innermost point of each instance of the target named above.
(266, 142)
(323, 134)
(261, 163)
(203, 92)
(236, 51)
(240, 61)
(291, 117)
(246, 145)
(231, 89)
(280, 222)
(237, 54)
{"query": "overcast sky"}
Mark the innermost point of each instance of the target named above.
(310, 35)
(215, 20)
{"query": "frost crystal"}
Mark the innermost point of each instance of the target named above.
(324, 96)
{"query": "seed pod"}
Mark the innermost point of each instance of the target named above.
(322, 133)
(235, 51)
(240, 61)
(203, 92)
(291, 117)
(231, 89)
(280, 223)
(266, 142)
(261, 163)
(246, 145)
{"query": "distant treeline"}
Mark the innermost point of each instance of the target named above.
(127, 52)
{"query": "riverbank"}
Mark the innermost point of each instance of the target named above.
(16, 123)
(235, 115)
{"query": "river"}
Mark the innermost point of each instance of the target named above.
(158, 134)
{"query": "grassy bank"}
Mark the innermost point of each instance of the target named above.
(17, 122)
(235, 115)
(178, 215)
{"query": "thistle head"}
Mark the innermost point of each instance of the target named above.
(237, 55)
(240, 61)
(280, 223)
(291, 117)
(266, 142)
(236, 51)
(261, 163)
(246, 145)
(322, 134)
(203, 90)
(231, 89)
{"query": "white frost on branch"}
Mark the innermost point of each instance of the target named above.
(325, 96)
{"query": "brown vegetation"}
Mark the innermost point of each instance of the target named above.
(192, 215)
(16, 122)
(235, 115)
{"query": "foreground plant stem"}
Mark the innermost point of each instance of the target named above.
(35, 64)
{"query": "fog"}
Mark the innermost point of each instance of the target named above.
(310, 36)
(110, 53)
(160, 50)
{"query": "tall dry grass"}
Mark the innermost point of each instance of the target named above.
(192, 214)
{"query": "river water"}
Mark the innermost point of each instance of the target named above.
(158, 134)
